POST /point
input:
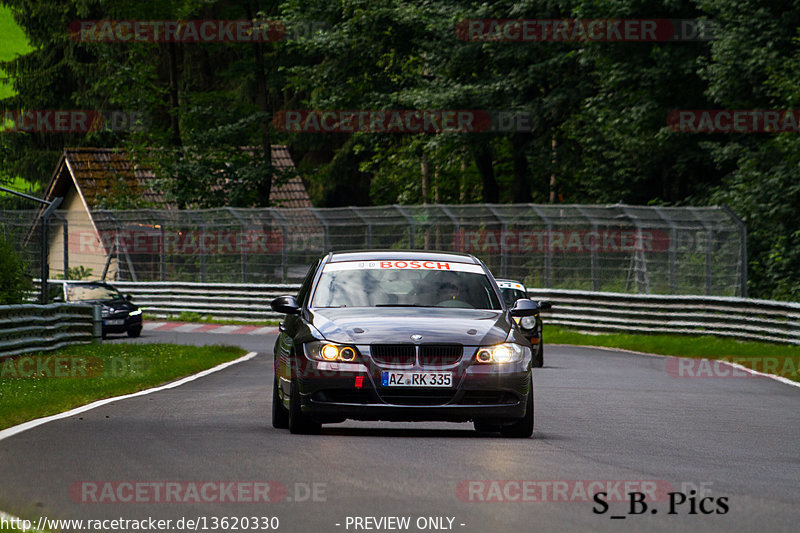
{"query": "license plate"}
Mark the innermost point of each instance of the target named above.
(114, 322)
(417, 379)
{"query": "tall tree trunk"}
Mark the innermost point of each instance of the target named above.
(265, 187)
(173, 95)
(520, 189)
(553, 185)
(484, 162)
(425, 170)
(462, 183)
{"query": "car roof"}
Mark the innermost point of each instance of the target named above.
(402, 255)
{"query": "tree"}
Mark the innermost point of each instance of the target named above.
(754, 65)
(14, 280)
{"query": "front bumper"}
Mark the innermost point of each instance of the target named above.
(331, 392)
(128, 322)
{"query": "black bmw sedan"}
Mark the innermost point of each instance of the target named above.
(119, 314)
(402, 335)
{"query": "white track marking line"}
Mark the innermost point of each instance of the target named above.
(14, 430)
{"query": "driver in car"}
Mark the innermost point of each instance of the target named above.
(448, 295)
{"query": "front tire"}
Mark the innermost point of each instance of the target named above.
(523, 428)
(538, 360)
(280, 417)
(299, 423)
(134, 332)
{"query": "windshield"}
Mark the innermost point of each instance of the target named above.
(512, 295)
(92, 292)
(404, 284)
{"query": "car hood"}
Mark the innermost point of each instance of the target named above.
(116, 305)
(470, 327)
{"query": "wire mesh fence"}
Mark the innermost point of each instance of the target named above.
(615, 248)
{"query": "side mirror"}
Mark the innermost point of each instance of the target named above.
(128, 297)
(286, 305)
(545, 306)
(523, 307)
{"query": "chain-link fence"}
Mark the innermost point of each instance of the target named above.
(616, 248)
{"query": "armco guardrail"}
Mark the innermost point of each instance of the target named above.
(241, 301)
(38, 328)
(589, 311)
(606, 312)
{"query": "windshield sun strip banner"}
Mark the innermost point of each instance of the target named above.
(510, 285)
(422, 264)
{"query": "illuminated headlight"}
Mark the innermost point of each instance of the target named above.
(528, 322)
(499, 354)
(136, 312)
(329, 351)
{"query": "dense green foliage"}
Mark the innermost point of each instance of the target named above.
(600, 109)
(14, 280)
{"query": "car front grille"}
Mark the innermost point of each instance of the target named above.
(440, 354)
(394, 354)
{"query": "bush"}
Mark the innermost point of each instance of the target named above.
(14, 280)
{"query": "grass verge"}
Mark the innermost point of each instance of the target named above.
(207, 319)
(37, 385)
(780, 359)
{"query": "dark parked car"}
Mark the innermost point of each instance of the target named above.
(120, 315)
(532, 325)
(402, 335)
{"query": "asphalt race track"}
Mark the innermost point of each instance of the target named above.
(602, 417)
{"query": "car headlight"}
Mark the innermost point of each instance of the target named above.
(105, 311)
(135, 312)
(499, 354)
(330, 351)
(528, 322)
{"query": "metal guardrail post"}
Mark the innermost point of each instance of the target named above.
(548, 254)
(285, 237)
(410, 222)
(503, 231)
(368, 233)
(97, 324)
(742, 249)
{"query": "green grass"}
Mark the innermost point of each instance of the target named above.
(206, 319)
(781, 359)
(13, 43)
(86, 373)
